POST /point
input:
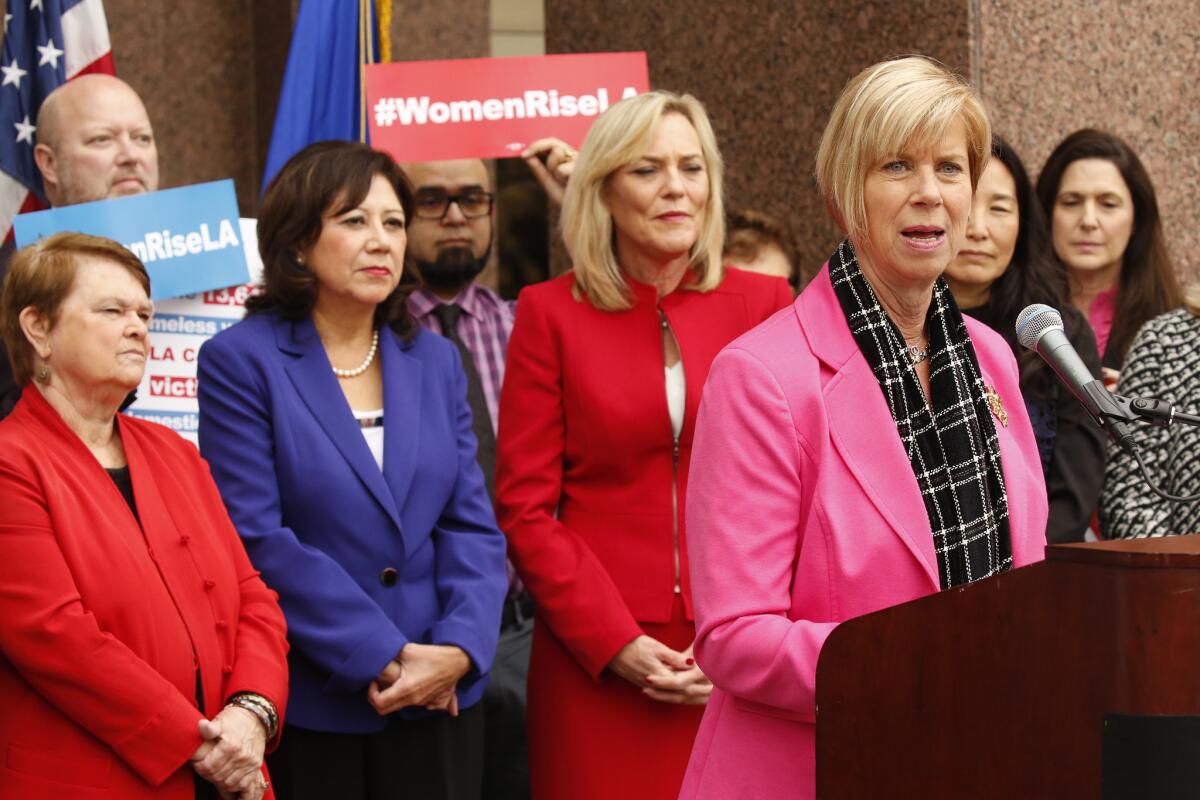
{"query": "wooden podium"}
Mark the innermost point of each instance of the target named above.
(1074, 677)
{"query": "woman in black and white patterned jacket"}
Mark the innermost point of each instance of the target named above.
(1164, 363)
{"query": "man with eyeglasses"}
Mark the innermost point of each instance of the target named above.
(450, 239)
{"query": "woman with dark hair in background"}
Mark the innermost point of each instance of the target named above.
(1006, 264)
(1108, 238)
(341, 440)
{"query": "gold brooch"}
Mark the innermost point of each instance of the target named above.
(996, 405)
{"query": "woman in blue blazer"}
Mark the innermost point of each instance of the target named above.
(340, 437)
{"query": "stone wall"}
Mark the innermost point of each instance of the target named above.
(770, 71)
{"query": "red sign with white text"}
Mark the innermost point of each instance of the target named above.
(494, 107)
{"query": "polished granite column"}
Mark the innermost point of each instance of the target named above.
(769, 73)
(1132, 68)
(210, 73)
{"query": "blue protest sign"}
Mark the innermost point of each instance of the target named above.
(188, 238)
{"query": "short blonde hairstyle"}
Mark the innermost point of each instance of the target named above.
(884, 109)
(618, 137)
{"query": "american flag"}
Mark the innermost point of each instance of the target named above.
(46, 43)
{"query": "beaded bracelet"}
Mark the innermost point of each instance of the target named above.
(260, 707)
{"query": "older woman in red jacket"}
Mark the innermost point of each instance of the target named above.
(605, 367)
(140, 655)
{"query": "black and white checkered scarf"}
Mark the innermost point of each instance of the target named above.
(952, 447)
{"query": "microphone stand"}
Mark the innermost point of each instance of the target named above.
(1155, 412)
(1116, 412)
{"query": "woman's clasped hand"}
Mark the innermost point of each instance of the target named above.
(662, 674)
(420, 675)
(231, 755)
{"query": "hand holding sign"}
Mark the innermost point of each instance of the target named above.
(551, 161)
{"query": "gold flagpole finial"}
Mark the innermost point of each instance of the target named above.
(383, 17)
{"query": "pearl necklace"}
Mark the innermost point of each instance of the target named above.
(361, 368)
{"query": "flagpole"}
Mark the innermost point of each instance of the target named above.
(383, 19)
(364, 56)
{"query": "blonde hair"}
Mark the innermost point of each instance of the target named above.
(883, 109)
(617, 138)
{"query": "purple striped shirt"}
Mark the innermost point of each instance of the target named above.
(484, 327)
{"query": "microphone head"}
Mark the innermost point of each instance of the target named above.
(1034, 321)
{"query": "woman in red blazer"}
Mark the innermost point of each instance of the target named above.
(605, 367)
(140, 654)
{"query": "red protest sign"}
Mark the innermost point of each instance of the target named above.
(494, 107)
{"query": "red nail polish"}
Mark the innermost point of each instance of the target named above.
(691, 661)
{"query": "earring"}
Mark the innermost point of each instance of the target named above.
(300, 260)
(43, 374)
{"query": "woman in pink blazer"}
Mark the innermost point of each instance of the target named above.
(862, 448)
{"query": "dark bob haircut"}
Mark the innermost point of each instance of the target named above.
(1148, 283)
(323, 179)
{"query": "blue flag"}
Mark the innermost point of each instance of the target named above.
(322, 96)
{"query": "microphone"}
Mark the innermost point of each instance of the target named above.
(1040, 328)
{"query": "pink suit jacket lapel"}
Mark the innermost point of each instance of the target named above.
(858, 416)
